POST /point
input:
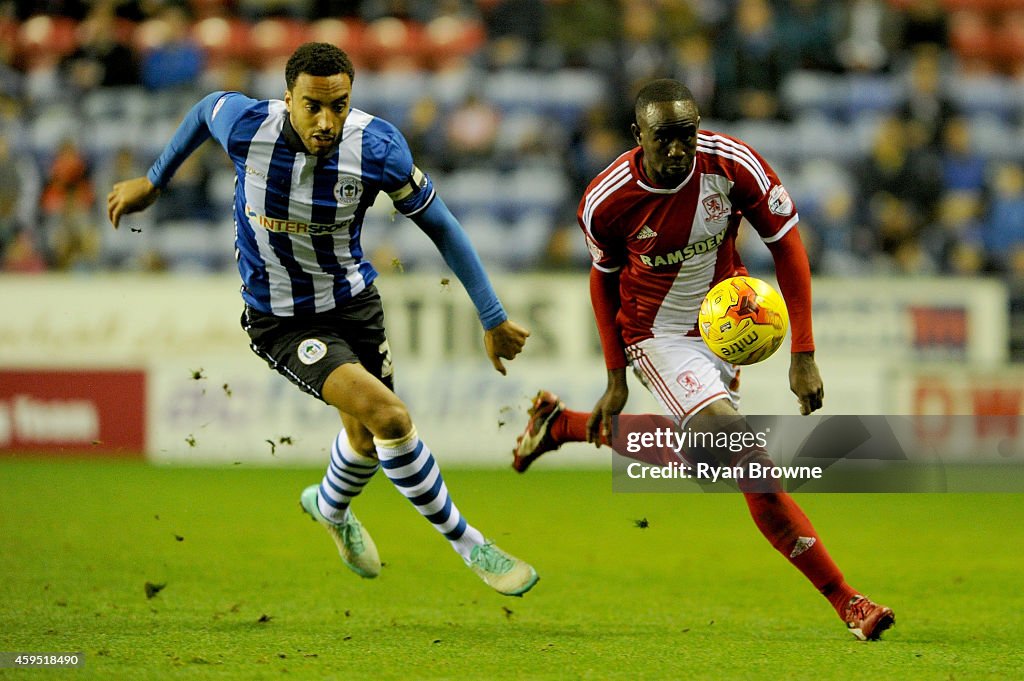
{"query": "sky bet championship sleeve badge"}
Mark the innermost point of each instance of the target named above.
(311, 351)
(348, 190)
(779, 201)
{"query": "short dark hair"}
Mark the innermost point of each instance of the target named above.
(317, 59)
(662, 90)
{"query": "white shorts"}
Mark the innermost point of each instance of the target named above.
(683, 374)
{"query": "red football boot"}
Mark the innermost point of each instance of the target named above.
(536, 440)
(867, 620)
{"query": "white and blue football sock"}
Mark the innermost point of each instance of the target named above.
(411, 468)
(346, 475)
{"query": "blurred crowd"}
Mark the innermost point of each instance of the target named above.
(897, 125)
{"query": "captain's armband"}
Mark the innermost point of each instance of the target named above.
(416, 183)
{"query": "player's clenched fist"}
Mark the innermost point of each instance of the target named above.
(505, 341)
(130, 196)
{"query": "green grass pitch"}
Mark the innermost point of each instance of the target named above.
(255, 590)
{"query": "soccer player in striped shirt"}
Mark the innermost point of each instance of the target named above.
(307, 169)
(661, 224)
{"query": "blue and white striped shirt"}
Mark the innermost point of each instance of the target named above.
(298, 217)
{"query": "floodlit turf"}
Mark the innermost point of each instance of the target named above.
(255, 590)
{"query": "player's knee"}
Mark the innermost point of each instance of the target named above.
(754, 455)
(755, 463)
(391, 422)
(362, 442)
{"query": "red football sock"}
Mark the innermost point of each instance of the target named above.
(570, 426)
(787, 528)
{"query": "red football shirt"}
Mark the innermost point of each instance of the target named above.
(674, 244)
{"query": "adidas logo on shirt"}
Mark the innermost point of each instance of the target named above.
(646, 233)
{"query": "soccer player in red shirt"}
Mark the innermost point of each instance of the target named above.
(661, 224)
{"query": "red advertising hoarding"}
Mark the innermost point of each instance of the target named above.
(76, 412)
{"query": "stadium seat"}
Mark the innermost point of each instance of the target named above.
(818, 177)
(157, 132)
(388, 93)
(467, 191)
(137, 105)
(518, 130)
(994, 138)
(149, 35)
(568, 93)
(451, 86)
(810, 92)
(46, 38)
(531, 233)
(532, 186)
(124, 30)
(994, 95)
(817, 136)
(493, 238)
(103, 103)
(390, 44)
(9, 29)
(979, 5)
(267, 83)
(346, 34)
(447, 39)
(204, 9)
(859, 136)
(223, 39)
(50, 127)
(395, 243)
(970, 35)
(1009, 39)
(537, 189)
(276, 38)
(221, 189)
(193, 245)
(513, 89)
(871, 94)
(100, 136)
(127, 106)
(772, 139)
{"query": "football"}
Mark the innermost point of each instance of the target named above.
(743, 320)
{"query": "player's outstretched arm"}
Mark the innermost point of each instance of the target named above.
(504, 341)
(805, 381)
(503, 338)
(130, 196)
(452, 242)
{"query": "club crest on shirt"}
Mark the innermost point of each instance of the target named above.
(689, 382)
(348, 190)
(779, 201)
(311, 350)
(716, 208)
